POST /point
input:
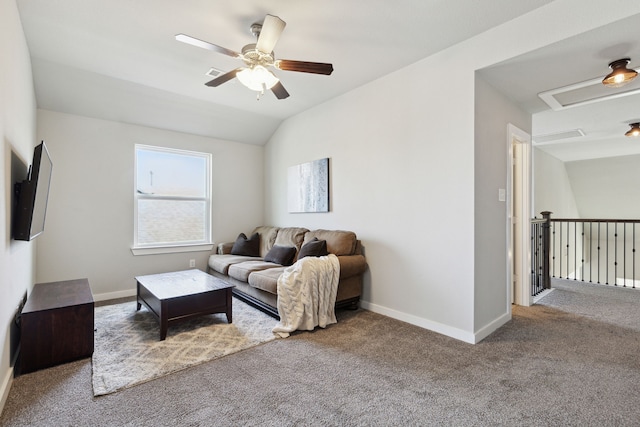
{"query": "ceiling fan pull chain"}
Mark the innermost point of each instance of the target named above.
(264, 87)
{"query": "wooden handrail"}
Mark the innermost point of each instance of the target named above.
(593, 220)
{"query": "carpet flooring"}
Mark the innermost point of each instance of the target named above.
(604, 303)
(128, 350)
(546, 367)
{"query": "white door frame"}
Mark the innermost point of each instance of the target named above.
(519, 215)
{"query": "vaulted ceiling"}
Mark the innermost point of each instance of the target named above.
(119, 60)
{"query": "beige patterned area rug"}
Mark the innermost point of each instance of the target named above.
(128, 350)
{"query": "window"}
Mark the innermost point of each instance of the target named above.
(172, 198)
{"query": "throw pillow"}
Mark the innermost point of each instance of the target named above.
(282, 255)
(246, 247)
(314, 247)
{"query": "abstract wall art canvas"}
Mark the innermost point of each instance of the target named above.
(308, 187)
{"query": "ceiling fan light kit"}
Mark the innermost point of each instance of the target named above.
(257, 78)
(258, 58)
(634, 131)
(620, 75)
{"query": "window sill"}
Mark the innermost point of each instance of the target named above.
(171, 249)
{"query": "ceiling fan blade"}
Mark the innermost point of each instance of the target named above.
(304, 67)
(206, 45)
(279, 91)
(270, 33)
(223, 78)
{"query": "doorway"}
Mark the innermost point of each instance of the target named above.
(519, 216)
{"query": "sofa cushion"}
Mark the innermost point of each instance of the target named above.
(314, 248)
(266, 280)
(242, 270)
(282, 255)
(247, 247)
(291, 236)
(221, 263)
(267, 237)
(338, 242)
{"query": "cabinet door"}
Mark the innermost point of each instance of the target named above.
(36, 341)
(52, 337)
(72, 329)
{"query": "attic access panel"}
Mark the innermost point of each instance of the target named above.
(586, 92)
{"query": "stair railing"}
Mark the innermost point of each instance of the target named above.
(601, 251)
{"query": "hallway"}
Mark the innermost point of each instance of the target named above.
(604, 303)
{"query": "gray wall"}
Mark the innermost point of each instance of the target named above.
(17, 136)
(494, 113)
(403, 181)
(89, 231)
(607, 187)
(553, 190)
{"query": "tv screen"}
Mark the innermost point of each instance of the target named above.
(33, 194)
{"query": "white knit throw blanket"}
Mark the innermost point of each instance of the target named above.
(307, 294)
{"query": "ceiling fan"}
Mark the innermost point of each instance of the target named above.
(258, 57)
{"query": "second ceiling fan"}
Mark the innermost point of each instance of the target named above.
(258, 58)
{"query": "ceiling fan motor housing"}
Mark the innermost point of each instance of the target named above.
(253, 56)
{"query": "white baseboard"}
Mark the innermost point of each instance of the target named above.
(459, 334)
(114, 295)
(449, 331)
(491, 327)
(542, 295)
(5, 387)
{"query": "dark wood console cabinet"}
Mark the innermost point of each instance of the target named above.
(57, 324)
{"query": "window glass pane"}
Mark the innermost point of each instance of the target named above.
(171, 221)
(171, 174)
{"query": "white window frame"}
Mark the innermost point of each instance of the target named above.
(186, 246)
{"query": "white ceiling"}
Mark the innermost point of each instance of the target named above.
(119, 60)
(571, 61)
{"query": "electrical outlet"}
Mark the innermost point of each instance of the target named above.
(192, 263)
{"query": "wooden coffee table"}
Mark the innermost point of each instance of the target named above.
(182, 295)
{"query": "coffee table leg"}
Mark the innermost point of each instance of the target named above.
(163, 320)
(229, 307)
(138, 296)
(163, 329)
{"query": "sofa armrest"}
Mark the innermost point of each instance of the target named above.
(225, 248)
(351, 265)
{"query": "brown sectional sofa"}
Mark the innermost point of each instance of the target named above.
(256, 280)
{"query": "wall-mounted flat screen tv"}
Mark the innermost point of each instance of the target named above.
(32, 196)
